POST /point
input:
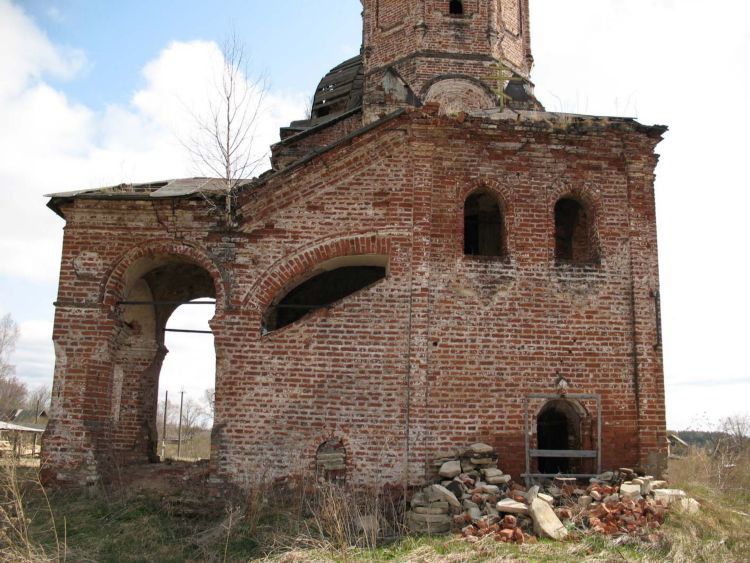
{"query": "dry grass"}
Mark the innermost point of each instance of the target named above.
(323, 522)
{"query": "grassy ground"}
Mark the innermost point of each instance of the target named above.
(160, 524)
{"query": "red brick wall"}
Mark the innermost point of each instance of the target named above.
(439, 354)
(423, 42)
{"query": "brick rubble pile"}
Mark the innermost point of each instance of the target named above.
(476, 499)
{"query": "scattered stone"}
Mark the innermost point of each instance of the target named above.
(585, 501)
(687, 505)
(450, 469)
(630, 489)
(549, 499)
(668, 496)
(546, 522)
(596, 495)
(532, 493)
(438, 493)
(510, 521)
(475, 514)
(432, 509)
(479, 450)
(512, 507)
(499, 480)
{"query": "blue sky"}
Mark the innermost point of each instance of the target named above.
(97, 93)
(120, 38)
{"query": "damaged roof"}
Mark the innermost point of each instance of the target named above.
(182, 187)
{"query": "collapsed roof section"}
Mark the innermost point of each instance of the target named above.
(183, 187)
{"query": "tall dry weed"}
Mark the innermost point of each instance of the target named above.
(16, 539)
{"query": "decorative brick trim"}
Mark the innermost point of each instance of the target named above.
(113, 284)
(291, 267)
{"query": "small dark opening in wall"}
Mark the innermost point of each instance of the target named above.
(572, 241)
(330, 462)
(456, 7)
(483, 225)
(553, 434)
(320, 292)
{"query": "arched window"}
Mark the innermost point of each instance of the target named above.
(483, 225)
(456, 7)
(330, 462)
(573, 236)
(330, 282)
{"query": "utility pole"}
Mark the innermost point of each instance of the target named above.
(179, 427)
(164, 427)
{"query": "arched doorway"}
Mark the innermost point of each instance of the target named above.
(558, 427)
(155, 287)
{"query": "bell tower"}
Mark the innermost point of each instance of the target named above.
(467, 55)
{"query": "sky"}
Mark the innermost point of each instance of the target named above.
(96, 93)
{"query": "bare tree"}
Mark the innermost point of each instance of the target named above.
(223, 147)
(209, 401)
(38, 398)
(192, 416)
(8, 339)
(737, 431)
(12, 390)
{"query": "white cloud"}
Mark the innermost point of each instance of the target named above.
(681, 64)
(35, 356)
(50, 143)
(26, 53)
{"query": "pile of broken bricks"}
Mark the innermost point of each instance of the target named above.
(477, 499)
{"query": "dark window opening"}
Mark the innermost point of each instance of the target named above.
(456, 7)
(558, 428)
(319, 292)
(330, 462)
(483, 226)
(572, 235)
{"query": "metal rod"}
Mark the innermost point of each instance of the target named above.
(179, 427)
(547, 475)
(188, 331)
(166, 302)
(590, 454)
(599, 433)
(526, 437)
(164, 427)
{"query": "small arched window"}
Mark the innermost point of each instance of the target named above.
(483, 225)
(330, 462)
(456, 7)
(573, 237)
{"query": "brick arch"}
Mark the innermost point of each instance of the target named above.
(455, 76)
(292, 266)
(586, 195)
(113, 285)
(501, 191)
(504, 198)
(310, 451)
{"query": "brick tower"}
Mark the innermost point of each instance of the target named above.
(457, 53)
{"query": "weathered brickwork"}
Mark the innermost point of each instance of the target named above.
(439, 353)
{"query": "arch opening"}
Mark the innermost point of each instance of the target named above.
(164, 342)
(456, 7)
(328, 283)
(573, 232)
(558, 428)
(330, 462)
(483, 225)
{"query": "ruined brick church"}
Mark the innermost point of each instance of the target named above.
(434, 260)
